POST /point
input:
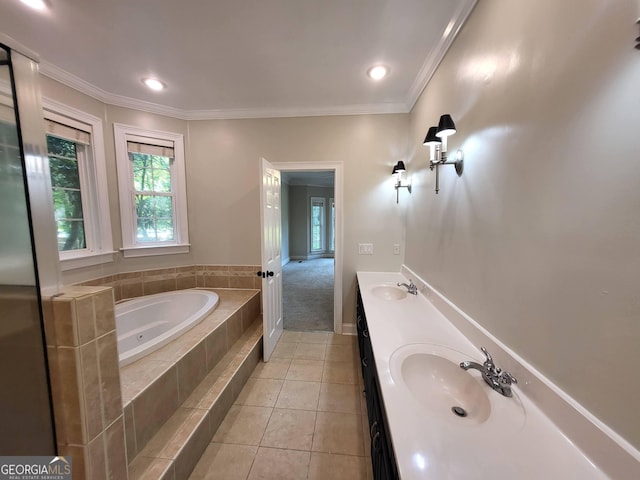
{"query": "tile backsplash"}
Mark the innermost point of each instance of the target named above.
(147, 282)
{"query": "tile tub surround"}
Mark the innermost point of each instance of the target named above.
(85, 381)
(147, 282)
(175, 450)
(295, 418)
(155, 386)
(416, 319)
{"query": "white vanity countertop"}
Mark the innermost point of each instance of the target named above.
(425, 447)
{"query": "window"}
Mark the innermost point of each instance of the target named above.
(332, 224)
(67, 163)
(151, 180)
(317, 224)
(75, 149)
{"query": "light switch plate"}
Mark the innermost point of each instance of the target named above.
(396, 249)
(365, 248)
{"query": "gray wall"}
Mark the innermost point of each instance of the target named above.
(298, 231)
(538, 240)
(300, 208)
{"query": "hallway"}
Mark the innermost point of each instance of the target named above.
(307, 295)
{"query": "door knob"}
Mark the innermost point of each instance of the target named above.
(268, 273)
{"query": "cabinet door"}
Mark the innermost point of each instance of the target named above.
(370, 386)
(382, 458)
(361, 322)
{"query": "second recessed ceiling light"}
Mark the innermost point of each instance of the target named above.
(378, 72)
(154, 84)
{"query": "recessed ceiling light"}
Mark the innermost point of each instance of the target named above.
(35, 4)
(154, 84)
(378, 72)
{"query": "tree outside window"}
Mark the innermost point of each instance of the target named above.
(153, 198)
(67, 193)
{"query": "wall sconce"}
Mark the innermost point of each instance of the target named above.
(436, 140)
(399, 170)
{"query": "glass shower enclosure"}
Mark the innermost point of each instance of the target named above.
(26, 425)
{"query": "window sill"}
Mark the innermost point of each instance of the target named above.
(150, 250)
(88, 260)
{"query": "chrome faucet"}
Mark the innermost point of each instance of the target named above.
(497, 379)
(411, 288)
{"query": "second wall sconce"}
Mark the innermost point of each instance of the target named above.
(398, 171)
(436, 140)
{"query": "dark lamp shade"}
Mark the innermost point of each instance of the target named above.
(446, 126)
(432, 138)
(398, 168)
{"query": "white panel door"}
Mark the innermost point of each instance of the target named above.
(270, 219)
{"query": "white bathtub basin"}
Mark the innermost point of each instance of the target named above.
(145, 324)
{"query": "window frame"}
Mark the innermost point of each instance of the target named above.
(93, 185)
(332, 230)
(130, 246)
(323, 221)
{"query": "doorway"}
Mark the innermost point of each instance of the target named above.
(311, 246)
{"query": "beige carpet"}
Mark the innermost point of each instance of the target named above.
(307, 295)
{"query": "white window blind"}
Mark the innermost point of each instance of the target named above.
(165, 150)
(67, 132)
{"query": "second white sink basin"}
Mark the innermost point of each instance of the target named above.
(434, 382)
(388, 292)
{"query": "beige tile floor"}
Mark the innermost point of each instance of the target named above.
(300, 416)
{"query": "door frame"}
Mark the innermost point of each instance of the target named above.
(338, 186)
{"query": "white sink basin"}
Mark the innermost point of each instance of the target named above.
(388, 292)
(439, 388)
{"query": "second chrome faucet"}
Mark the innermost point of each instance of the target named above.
(411, 288)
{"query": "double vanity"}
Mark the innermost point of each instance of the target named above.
(432, 411)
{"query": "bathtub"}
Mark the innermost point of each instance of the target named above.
(145, 324)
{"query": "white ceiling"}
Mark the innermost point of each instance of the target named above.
(241, 58)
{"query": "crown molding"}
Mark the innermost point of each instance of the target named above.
(432, 61)
(18, 47)
(240, 113)
(70, 80)
(62, 76)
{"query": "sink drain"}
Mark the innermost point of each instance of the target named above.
(459, 411)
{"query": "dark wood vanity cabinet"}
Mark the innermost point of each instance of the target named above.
(382, 458)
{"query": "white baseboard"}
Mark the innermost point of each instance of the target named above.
(311, 256)
(602, 445)
(349, 329)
